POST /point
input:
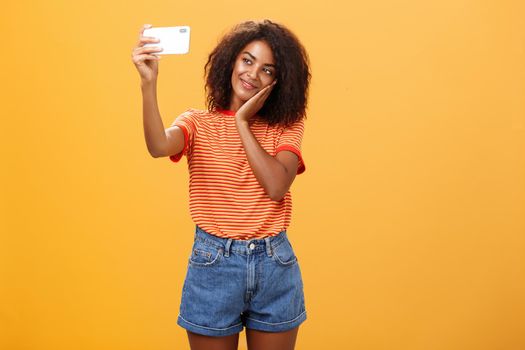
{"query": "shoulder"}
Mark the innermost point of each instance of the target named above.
(194, 115)
(193, 112)
(295, 127)
(297, 124)
(200, 114)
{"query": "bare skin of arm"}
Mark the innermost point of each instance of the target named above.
(160, 142)
(274, 174)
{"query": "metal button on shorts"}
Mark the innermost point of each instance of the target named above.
(231, 284)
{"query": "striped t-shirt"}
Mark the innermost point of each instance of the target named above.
(225, 198)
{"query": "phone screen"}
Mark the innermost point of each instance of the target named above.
(173, 40)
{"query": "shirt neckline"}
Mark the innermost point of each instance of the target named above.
(226, 111)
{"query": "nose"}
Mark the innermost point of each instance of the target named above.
(252, 73)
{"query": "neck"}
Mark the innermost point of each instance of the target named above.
(235, 104)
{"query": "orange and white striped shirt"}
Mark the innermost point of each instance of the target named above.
(226, 199)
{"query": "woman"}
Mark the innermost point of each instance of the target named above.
(243, 154)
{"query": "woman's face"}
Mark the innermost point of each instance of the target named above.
(254, 69)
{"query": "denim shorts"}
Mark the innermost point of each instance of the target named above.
(232, 283)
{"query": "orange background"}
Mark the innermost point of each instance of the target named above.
(409, 222)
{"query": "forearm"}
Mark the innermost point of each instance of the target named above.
(268, 171)
(153, 127)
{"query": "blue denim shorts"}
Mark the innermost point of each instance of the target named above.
(232, 283)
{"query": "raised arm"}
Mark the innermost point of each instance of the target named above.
(160, 142)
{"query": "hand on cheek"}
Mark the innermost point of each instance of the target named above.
(254, 104)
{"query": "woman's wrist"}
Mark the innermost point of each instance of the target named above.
(148, 84)
(240, 121)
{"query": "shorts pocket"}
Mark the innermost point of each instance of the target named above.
(283, 254)
(204, 255)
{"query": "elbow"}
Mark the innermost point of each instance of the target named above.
(276, 198)
(277, 195)
(277, 191)
(154, 154)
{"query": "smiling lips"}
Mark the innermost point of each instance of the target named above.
(247, 85)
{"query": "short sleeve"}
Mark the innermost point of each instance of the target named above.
(187, 123)
(290, 140)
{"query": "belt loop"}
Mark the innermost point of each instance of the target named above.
(268, 246)
(198, 230)
(227, 248)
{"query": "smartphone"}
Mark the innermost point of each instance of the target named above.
(173, 40)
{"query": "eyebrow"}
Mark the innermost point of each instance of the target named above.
(255, 59)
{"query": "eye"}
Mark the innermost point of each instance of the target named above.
(268, 71)
(245, 60)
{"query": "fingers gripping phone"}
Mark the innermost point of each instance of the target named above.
(173, 40)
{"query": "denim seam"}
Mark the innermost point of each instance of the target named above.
(215, 329)
(288, 263)
(278, 243)
(270, 323)
(274, 243)
(210, 263)
(209, 242)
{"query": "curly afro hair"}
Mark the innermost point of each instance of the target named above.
(287, 102)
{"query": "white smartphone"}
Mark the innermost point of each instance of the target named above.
(173, 40)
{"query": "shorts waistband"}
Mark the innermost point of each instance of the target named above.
(249, 246)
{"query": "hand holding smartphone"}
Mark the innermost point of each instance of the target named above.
(173, 40)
